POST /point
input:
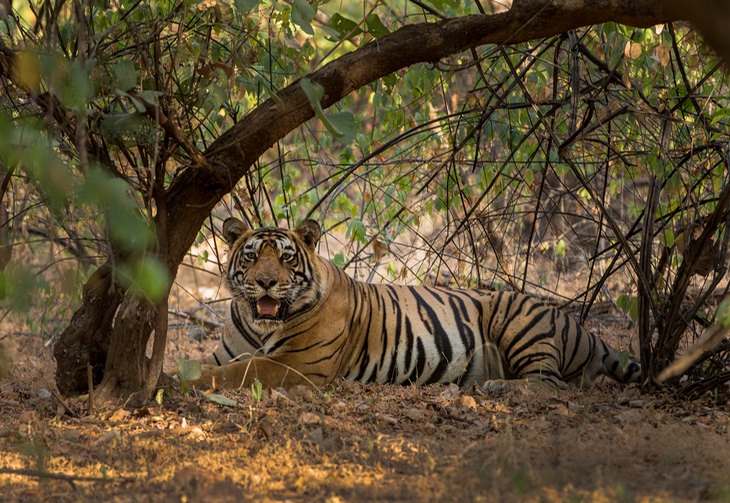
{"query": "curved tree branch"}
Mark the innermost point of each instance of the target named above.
(234, 152)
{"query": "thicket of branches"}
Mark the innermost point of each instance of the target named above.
(588, 167)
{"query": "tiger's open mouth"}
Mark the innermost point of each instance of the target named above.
(268, 308)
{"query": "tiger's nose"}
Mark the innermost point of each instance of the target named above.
(266, 281)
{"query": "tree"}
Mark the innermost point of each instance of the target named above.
(178, 176)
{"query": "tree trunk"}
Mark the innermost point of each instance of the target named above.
(95, 330)
(86, 339)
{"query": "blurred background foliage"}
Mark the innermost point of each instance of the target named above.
(590, 168)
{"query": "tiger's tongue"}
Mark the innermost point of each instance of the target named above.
(266, 306)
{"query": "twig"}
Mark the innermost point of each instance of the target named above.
(60, 476)
(155, 112)
(197, 318)
(90, 380)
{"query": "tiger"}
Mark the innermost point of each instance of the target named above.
(297, 318)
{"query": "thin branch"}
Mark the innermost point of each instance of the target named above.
(61, 476)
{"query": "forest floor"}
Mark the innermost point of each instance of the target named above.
(354, 442)
(350, 442)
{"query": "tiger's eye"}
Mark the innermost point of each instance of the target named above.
(287, 256)
(249, 256)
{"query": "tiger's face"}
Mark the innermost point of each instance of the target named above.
(272, 273)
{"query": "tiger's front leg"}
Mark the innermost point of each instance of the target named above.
(271, 373)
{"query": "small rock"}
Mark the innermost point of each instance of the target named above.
(385, 418)
(302, 393)
(452, 392)
(279, 395)
(630, 416)
(414, 414)
(309, 418)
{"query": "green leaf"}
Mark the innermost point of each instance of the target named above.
(441, 4)
(125, 74)
(624, 359)
(149, 96)
(342, 125)
(314, 93)
(257, 390)
(19, 286)
(629, 305)
(339, 260)
(723, 312)
(158, 396)
(146, 277)
(78, 89)
(302, 13)
(246, 6)
(357, 231)
(343, 26)
(375, 26)
(125, 224)
(221, 400)
(188, 370)
(667, 238)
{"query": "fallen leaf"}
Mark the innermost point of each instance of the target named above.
(466, 401)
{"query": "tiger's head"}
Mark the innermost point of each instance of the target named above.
(273, 273)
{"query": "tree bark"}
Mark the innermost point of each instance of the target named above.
(710, 17)
(86, 339)
(195, 192)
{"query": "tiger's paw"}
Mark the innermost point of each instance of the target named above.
(504, 386)
(525, 386)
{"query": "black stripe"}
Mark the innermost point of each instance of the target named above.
(440, 338)
(519, 365)
(284, 340)
(492, 316)
(420, 362)
(409, 345)
(364, 359)
(463, 326)
(566, 337)
(435, 295)
(517, 339)
(230, 352)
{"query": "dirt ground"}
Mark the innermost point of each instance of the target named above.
(350, 442)
(353, 442)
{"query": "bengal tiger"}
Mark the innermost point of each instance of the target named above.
(296, 318)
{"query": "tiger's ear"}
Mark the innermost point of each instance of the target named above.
(310, 232)
(233, 228)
